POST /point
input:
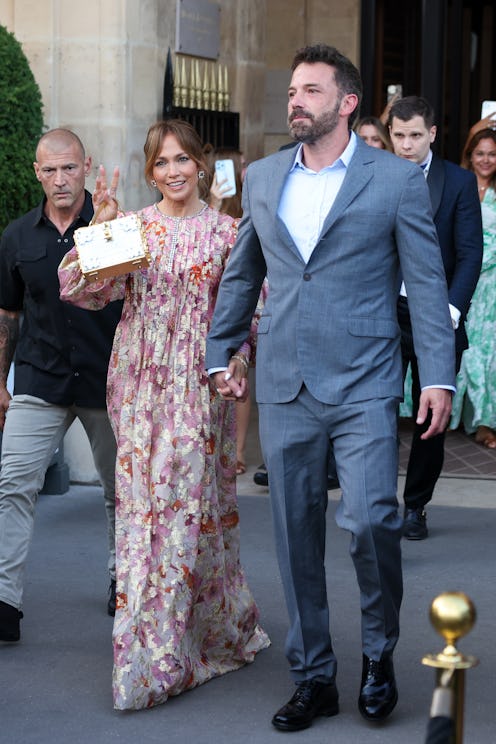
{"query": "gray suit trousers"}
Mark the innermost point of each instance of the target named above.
(33, 431)
(295, 440)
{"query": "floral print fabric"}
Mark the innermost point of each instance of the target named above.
(475, 401)
(184, 611)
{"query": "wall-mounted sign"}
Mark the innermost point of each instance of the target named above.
(198, 28)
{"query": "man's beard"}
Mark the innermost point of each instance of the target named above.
(309, 133)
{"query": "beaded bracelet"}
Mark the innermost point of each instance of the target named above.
(241, 359)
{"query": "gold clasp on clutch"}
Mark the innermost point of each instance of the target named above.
(107, 232)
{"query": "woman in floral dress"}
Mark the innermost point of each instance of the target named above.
(474, 404)
(184, 611)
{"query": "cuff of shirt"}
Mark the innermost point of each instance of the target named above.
(455, 316)
(441, 387)
(213, 370)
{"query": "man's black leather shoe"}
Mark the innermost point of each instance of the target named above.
(9, 622)
(378, 692)
(111, 602)
(311, 699)
(260, 476)
(415, 524)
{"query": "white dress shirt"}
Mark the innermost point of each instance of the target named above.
(308, 196)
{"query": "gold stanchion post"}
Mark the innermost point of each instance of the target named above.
(453, 615)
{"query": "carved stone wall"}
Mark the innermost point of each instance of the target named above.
(292, 24)
(100, 67)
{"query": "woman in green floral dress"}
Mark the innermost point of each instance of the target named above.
(474, 404)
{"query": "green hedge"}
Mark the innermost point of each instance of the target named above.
(21, 125)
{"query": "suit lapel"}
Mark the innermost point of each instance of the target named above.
(435, 182)
(359, 172)
(277, 178)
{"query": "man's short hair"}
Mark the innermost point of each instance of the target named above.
(346, 74)
(410, 106)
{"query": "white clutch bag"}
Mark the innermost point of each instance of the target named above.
(111, 248)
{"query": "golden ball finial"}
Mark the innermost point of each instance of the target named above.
(453, 615)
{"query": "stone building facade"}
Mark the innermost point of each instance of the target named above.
(100, 68)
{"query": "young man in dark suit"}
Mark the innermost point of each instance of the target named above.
(457, 218)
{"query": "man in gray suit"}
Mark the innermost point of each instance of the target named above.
(330, 222)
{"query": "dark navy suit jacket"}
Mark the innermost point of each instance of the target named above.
(457, 217)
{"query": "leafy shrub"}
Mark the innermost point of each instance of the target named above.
(21, 125)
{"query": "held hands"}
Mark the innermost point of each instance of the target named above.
(231, 384)
(438, 401)
(105, 197)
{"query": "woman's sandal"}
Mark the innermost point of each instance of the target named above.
(240, 468)
(486, 436)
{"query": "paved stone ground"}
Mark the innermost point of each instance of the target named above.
(463, 457)
(56, 683)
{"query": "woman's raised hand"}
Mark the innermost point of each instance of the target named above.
(217, 192)
(104, 198)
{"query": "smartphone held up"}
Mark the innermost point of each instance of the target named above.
(488, 108)
(224, 170)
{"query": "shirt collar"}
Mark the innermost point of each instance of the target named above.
(344, 158)
(426, 164)
(85, 215)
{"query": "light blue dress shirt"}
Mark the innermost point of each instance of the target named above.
(308, 196)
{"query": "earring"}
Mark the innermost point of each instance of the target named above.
(201, 174)
(153, 182)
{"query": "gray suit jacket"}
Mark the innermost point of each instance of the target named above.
(331, 323)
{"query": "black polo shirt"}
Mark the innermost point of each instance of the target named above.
(63, 351)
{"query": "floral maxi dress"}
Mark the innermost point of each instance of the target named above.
(474, 404)
(184, 611)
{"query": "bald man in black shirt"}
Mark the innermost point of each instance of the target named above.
(61, 361)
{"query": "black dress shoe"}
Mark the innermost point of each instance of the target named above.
(261, 477)
(9, 622)
(378, 692)
(111, 602)
(415, 524)
(311, 699)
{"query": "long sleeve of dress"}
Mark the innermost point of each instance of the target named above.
(74, 288)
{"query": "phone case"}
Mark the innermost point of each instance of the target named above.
(488, 107)
(225, 172)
